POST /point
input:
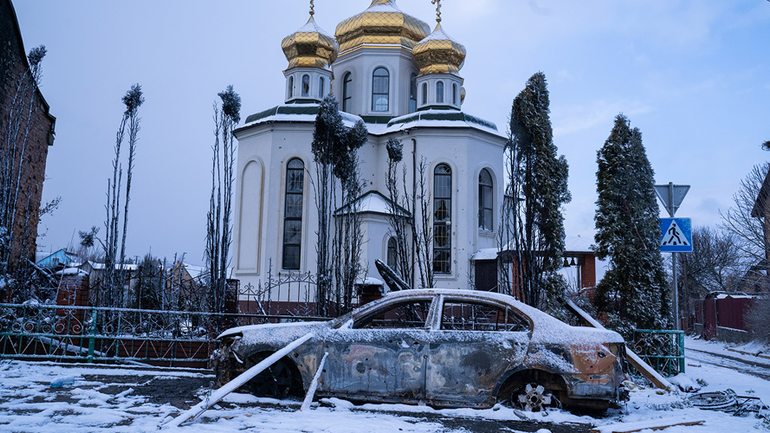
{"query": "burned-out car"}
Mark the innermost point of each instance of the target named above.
(444, 348)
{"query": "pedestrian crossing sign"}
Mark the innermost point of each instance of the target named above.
(676, 236)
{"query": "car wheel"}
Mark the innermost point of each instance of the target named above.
(534, 397)
(277, 381)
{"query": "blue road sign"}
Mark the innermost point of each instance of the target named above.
(676, 236)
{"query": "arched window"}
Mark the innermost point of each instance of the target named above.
(380, 89)
(440, 92)
(442, 219)
(347, 92)
(413, 93)
(485, 200)
(305, 85)
(292, 215)
(291, 87)
(454, 94)
(424, 93)
(392, 254)
(321, 89)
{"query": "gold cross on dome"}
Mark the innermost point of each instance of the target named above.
(438, 9)
(312, 12)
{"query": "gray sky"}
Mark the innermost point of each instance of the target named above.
(693, 75)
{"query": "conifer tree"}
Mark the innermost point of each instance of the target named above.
(533, 221)
(634, 291)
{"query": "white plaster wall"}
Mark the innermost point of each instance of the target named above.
(362, 63)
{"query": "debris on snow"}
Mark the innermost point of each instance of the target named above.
(684, 382)
(656, 424)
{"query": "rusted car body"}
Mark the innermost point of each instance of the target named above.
(444, 348)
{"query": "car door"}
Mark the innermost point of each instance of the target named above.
(475, 344)
(380, 357)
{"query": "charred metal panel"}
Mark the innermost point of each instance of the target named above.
(464, 367)
(384, 363)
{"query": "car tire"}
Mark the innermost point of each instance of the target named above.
(280, 380)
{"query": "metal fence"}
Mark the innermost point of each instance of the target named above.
(292, 294)
(663, 350)
(94, 334)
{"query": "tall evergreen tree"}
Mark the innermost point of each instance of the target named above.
(537, 190)
(634, 291)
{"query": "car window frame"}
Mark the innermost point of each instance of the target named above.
(367, 312)
(443, 299)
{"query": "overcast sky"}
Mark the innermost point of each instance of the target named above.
(693, 75)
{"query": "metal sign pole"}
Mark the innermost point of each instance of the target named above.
(671, 196)
(676, 295)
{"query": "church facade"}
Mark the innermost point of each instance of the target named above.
(403, 80)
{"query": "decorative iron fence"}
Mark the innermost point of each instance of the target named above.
(291, 294)
(663, 350)
(94, 334)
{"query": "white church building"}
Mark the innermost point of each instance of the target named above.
(388, 69)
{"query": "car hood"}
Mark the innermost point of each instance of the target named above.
(273, 333)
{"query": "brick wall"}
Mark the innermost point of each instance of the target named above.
(41, 126)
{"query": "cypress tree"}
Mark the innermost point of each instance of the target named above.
(538, 186)
(634, 291)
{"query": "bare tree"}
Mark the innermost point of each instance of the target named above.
(400, 220)
(715, 264)
(746, 219)
(422, 227)
(219, 229)
(410, 219)
(114, 271)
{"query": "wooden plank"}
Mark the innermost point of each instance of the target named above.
(656, 424)
(631, 357)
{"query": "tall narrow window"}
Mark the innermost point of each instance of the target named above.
(291, 87)
(392, 253)
(305, 85)
(380, 89)
(413, 93)
(292, 215)
(424, 93)
(485, 200)
(442, 219)
(454, 94)
(347, 92)
(440, 92)
(321, 87)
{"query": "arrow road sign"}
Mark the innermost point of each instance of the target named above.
(676, 236)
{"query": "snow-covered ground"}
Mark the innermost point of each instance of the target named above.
(121, 399)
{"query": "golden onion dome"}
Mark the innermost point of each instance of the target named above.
(310, 47)
(383, 23)
(438, 53)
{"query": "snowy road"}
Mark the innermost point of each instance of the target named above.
(121, 399)
(754, 368)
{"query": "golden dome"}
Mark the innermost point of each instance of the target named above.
(438, 53)
(382, 23)
(310, 47)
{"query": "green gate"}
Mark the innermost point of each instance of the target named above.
(663, 350)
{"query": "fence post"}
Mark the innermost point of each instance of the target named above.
(92, 340)
(680, 337)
